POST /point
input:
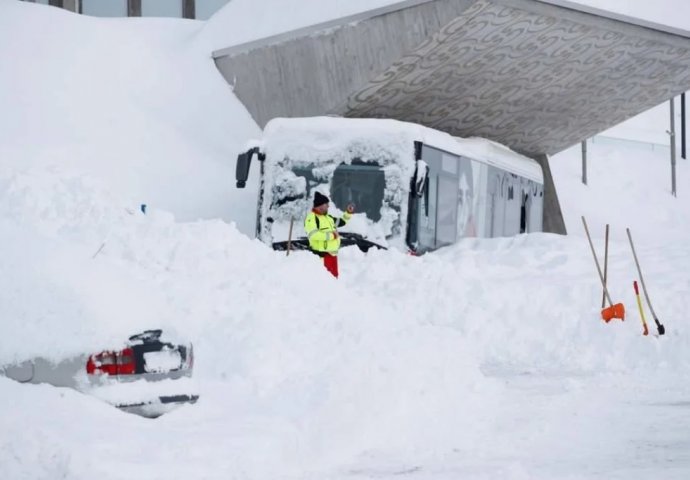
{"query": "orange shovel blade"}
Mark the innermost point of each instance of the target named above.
(614, 311)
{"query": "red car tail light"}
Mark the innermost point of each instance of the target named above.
(125, 362)
(112, 363)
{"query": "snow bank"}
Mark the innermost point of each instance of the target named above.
(628, 186)
(129, 102)
(288, 336)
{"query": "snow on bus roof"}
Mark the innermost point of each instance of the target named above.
(288, 136)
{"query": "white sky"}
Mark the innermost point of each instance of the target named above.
(674, 13)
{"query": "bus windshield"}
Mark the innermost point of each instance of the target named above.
(360, 184)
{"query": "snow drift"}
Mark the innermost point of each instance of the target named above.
(434, 367)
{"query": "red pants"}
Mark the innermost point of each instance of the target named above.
(331, 264)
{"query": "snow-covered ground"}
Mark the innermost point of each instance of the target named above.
(484, 360)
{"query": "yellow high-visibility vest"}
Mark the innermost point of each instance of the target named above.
(320, 231)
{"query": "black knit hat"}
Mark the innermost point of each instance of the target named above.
(320, 199)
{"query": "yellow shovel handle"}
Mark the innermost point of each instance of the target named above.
(639, 305)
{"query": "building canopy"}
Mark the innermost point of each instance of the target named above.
(537, 76)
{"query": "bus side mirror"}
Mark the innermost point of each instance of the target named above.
(244, 161)
(421, 176)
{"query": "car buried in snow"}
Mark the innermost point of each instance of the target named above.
(147, 375)
(415, 188)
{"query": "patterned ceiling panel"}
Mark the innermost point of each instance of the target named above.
(533, 81)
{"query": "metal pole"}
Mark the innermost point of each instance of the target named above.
(682, 126)
(134, 8)
(672, 134)
(584, 162)
(188, 9)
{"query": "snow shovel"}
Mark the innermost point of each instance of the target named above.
(612, 311)
(645, 330)
(606, 265)
(659, 327)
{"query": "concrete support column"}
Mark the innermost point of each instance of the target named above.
(188, 9)
(553, 216)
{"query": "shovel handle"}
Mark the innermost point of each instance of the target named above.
(596, 262)
(289, 244)
(637, 290)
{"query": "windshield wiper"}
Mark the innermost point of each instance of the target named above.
(290, 198)
(346, 239)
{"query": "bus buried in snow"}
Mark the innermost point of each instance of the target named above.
(415, 188)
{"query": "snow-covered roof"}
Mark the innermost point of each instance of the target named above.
(299, 137)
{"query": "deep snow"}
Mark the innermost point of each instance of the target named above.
(134, 102)
(487, 359)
